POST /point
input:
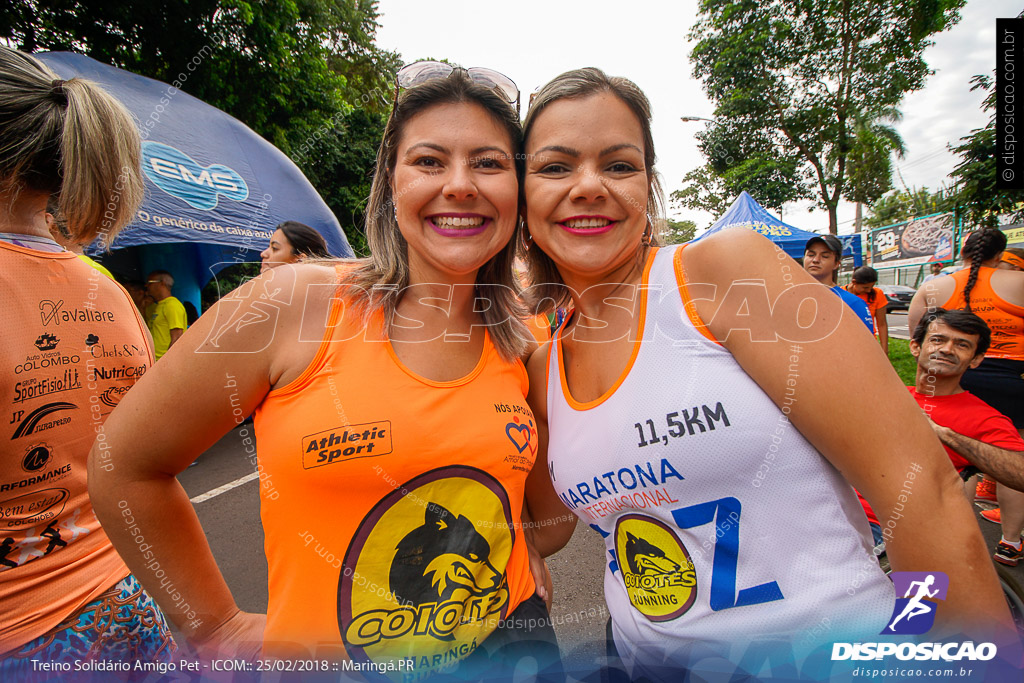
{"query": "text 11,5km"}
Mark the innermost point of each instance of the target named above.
(701, 418)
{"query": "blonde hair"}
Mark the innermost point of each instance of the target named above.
(549, 289)
(379, 280)
(71, 140)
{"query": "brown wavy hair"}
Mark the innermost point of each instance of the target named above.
(379, 279)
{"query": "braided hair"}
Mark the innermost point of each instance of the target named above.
(981, 246)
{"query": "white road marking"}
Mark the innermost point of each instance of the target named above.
(225, 488)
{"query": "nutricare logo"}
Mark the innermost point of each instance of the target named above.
(914, 614)
(179, 175)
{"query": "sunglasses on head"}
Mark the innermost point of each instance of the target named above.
(419, 73)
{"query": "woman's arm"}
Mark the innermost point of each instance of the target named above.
(932, 294)
(876, 450)
(883, 328)
(217, 374)
(552, 523)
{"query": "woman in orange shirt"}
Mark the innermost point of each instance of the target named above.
(393, 432)
(863, 285)
(72, 344)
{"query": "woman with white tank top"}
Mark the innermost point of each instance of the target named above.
(695, 418)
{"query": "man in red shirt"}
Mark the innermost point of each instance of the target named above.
(946, 344)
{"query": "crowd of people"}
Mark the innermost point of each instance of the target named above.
(416, 424)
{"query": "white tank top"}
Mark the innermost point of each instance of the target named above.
(722, 523)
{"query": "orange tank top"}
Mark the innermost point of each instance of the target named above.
(71, 345)
(392, 533)
(1004, 319)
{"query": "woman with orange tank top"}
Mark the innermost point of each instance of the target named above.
(393, 432)
(72, 345)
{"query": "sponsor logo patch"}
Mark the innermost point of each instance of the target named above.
(37, 421)
(46, 342)
(33, 508)
(425, 572)
(658, 573)
(350, 442)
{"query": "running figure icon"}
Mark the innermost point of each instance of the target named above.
(916, 606)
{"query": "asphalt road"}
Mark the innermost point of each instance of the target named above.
(898, 325)
(223, 487)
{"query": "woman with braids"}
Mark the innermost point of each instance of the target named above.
(72, 344)
(997, 296)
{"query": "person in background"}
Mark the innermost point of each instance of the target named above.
(823, 255)
(140, 297)
(72, 345)
(946, 344)
(863, 287)
(292, 242)
(1013, 259)
(997, 297)
(936, 269)
(167, 318)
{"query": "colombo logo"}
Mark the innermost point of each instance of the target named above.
(179, 175)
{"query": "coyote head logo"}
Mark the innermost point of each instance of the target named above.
(646, 558)
(444, 559)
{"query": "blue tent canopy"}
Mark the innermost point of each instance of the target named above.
(745, 212)
(214, 188)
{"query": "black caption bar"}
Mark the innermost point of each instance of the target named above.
(1009, 122)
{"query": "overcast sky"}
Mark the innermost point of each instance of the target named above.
(532, 41)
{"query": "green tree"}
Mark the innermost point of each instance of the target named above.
(789, 77)
(975, 192)
(902, 205)
(677, 232)
(869, 165)
(292, 70)
(702, 190)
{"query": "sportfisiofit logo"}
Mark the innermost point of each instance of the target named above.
(914, 614)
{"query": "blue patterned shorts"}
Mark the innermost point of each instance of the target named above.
(121, 625)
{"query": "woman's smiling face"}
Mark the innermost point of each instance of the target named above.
(586, 185)
(455, 190)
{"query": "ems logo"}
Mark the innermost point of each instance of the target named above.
(424, 576)
(914, 613)
(658, 573)
(179, 175)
